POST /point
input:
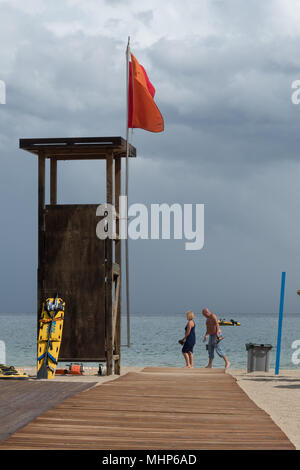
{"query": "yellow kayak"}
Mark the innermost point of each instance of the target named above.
(229, 323)
(50, 336)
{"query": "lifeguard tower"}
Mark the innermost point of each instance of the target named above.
(72, 261)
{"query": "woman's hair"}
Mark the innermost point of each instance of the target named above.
(190, 315)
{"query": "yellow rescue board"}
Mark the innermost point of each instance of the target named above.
(50, 336)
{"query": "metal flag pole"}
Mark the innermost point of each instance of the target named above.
(126, 194)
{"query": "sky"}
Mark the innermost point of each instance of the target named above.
(223, 73)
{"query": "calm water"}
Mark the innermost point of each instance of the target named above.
(154, 339)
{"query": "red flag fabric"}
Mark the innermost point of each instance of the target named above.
(142, 110)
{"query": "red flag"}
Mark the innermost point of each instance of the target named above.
(142, 110)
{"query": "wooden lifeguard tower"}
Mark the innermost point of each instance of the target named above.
(72, 261)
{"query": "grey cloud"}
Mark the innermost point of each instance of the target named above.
(231, 142)
(145, 17)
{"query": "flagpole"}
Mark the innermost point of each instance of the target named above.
(126, 194)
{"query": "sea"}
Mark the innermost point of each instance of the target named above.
(154, 339)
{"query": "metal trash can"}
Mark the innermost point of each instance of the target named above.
(258, 357)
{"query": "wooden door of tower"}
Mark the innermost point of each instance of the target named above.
(73, 265)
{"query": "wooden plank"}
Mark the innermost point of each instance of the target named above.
(78, 150)
(118, 259)
(115, 312)
(24, 143)
(22, 401)
(156, 410)
(171, 370)
(99, 155)
(70, 146)
(109, 271)
(53, 181)
(41, 232)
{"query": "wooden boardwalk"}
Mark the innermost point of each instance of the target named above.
(158, 408)
(23, 400)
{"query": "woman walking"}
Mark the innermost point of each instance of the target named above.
(189, 340)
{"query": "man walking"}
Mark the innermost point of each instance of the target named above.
(213, 331)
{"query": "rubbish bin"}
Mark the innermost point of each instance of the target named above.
(258, 357)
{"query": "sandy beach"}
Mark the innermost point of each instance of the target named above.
(279, 395)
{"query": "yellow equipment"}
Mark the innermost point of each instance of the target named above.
(229, 323)
(10, 373)
(50, 336)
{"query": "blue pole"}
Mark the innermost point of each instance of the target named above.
(280, 324)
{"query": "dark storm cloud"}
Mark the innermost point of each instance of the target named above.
(238, 91)
(231, 140)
